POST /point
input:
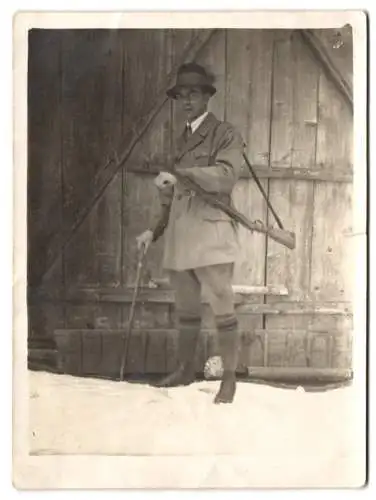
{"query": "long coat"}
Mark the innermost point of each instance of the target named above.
(197, 234)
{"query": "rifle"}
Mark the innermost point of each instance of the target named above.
(286, 238)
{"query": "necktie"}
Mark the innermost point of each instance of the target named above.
(189, 130)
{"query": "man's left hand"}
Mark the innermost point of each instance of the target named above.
(164, 180)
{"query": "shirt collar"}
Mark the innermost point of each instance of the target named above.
(197, 122)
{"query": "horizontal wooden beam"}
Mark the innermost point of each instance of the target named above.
(167, 296)
(150, 350)
(297, 308)
(149, 294)
(260, 332)
(324, 174)
(301, 374)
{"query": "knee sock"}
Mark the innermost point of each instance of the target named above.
(228, 336)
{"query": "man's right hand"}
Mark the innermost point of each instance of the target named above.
(144, 240)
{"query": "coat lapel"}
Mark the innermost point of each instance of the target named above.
(183, 146)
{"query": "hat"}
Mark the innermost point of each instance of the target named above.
(192, 75)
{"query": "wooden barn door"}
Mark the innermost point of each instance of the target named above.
(298, 129)
(311, 132)
(297, 124)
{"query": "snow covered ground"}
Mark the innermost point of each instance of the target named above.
(304, 434)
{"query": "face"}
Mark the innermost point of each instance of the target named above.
(193, 102)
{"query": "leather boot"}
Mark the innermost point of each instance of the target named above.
(227, 388)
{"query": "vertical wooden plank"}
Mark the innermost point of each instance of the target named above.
(92, 118)
(248, 323)
(44, 190)
(293, 130)
(140, 197)
(179, 40)
(69, 352)
(91, 352)
(147, 353)
(248, 82)
(282, 114)
(248, 106)
(332, 271)
(335, 128)
(293, 202)
(136, 354)
(172, 340)
(154, 146)
(155, 361)
(260, 76)
(213, 58)
(93, 256)
(92, 97)
(332, 266)
(304, 105)
(252, 351)
(112, 349)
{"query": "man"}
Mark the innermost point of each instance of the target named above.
(200, 241)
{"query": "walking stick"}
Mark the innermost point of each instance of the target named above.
(128, 331)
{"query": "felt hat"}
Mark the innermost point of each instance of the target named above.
(192, 75)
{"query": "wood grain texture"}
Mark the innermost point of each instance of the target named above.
(311, 135)
(91, 352)
(296, 89)
(333, 269)
(113, 165)
(338, 43)
(323, 52)
(335, 128)
(154, 145)
(44, 179)
(140, 197)
(155, 352)
(141, 207)
(248, 81)
(93, 255)
(149, 351)
(98, 315)
(321, 173)
(282, 130)
(69, 351)
(213, 58)
(91, 74)
(112, 348)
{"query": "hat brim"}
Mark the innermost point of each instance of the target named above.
(173, 91)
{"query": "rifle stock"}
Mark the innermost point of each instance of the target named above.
(286, 238)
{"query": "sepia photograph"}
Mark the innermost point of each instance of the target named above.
(190, 253)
